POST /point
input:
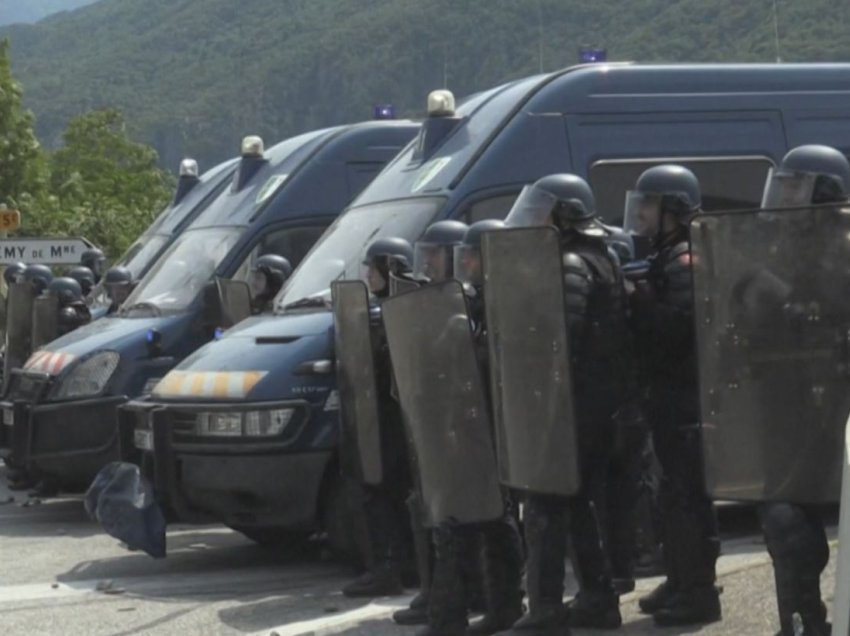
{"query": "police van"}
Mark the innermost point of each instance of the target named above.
(59, 411)
(191, 197)
(259, 453)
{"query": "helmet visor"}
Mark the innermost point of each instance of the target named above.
(534, 206)
(432, 261)
(788, 190)
(258, 283)
(118, 292)
(643, 213)
(467, 264)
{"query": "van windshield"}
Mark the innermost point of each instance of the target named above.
(342, 248)
(136, 259)
(183, 270)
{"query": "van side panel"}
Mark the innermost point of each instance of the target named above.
(828, 126)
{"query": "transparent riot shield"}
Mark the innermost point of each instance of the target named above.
(772, 320)
(442, 399)
(19, 306)
(399, 284)
(45, 320)
(360, 446)
(533, 406)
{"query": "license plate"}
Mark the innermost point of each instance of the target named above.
(8, 417)
(143, 439)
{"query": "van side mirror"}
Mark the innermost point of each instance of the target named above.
(234, 299)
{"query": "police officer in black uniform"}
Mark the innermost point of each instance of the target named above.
(118, 283)
(95, 260)
(498, 543)
(267, 276)
(85, 277)
(13, 272)
(39, 276)
(385, 504)
(598, 336)
(664, 201)
(794, 533)
(73, 311)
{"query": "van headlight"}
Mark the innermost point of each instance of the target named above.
(268, 423)
(88, 377)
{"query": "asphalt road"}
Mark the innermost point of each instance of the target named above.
(61, 575)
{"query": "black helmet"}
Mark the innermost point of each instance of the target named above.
(665, 189)
(84, 276)
(66, 289)
(467, 256)
(118, 282)
(563, 200)
(389, 248)
(433, 255)
(13, 271)
(95, 260)
(808, 174)
(39, 276)
(268, 274)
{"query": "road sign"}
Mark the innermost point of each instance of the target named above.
(9, 220)
(47, 251)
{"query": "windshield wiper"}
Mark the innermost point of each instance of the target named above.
(312, 301)
(149, 306)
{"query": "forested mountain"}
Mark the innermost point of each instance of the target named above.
(193, 76)
(14, 11)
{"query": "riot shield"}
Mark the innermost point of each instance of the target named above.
(399, 284)
(442, 400)
(533, 405)
(45, 320)
(772, 320)
(19, 305)
(355, 370)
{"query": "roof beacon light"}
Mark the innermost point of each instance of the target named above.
(188, 168)
(253, 146)
(384, 111)
(590, 55)
(441, 103)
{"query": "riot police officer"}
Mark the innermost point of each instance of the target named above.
(383, 504)
(13, 272)
(73, 311)
(267, 276)
(598, 340)
(95, 260)
(498, 542)
(660, 207)
(118, 283)
(794, 533)
(39, 276)
(85, 277)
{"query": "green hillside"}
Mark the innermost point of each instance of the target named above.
(14, 11)
(193, 76)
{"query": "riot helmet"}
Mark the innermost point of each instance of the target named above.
(467, 256)
(13, 272)
(664, 197)
(66, 289)
(39, 276)
(95, 260)
(563, 200)
(118, 282)
(385, 255)
(810, 174)
(84, 276)
(268, 274)
(433, 254)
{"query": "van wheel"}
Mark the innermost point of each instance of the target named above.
(273, 536)
(339, 522)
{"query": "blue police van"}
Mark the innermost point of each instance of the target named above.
(59, 411)
(255, 448)
(191, 197)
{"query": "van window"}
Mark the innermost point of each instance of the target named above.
(361, 174)
(493, 208)
(728, 183)
(293, 243)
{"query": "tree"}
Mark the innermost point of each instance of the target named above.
(104, 186)
(22, 166)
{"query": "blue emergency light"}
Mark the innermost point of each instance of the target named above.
(384, 111)
(154, 340)
(218, 334)
(589, 55)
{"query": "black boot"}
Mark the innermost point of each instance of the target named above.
(691, 606)
(417, 613)
(595, 613)
(546, 522)
(502, 558)
(383, 581)
(659, 598)
(447, 607)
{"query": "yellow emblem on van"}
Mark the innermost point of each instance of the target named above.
(208, 384)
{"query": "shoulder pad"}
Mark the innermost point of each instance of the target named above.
(575, 264)
(678, 259)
